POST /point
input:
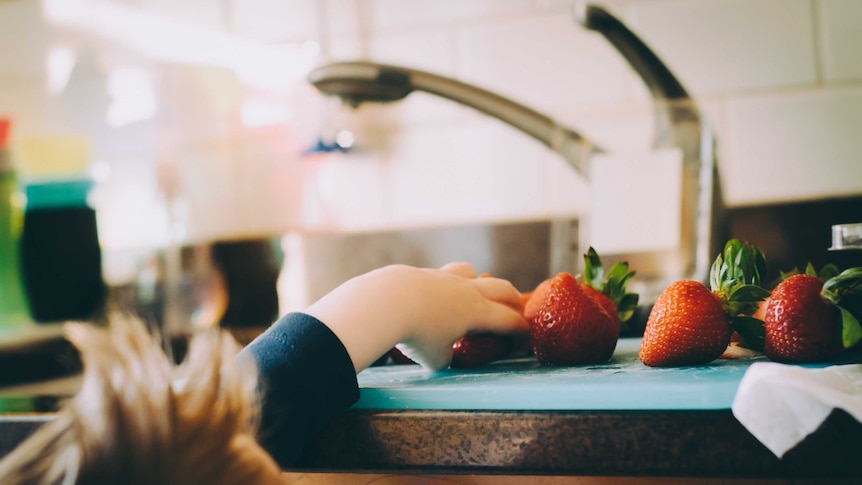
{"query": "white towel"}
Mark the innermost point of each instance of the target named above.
(781, 404)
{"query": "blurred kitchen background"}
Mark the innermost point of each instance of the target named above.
(220, 174)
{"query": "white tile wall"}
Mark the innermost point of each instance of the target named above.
(543, 61)
(24, 39)
(397, 14)
(342, 38)
(779, 79)
(421, 48)
(468, 172)
(796, 146)
(197, 12)
(720, 46)
(839, 31)
(275, 20)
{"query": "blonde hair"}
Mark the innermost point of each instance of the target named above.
(140, 419)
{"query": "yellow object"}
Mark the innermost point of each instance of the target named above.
(52, 157)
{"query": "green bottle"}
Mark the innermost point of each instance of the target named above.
(14, 311)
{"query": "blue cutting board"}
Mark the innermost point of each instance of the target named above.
(623, 383)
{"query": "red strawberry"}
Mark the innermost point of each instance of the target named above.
(687, 326)
(691, 324)
(827, 272)
(525, 298)
(536, 298)
(801, 325)
(606, 303)
(570, 328)
(478, 349)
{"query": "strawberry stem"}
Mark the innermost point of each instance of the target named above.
(736, 277)
(845, 292)
(613, 285)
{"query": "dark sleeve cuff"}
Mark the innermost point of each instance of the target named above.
(306, 378)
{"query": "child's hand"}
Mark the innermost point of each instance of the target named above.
(424, 310)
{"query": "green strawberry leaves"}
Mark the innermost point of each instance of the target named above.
(613, 286)
(594, 272)
(826, 272)
(743, 299)
(741, 304)
(751, 331)
(851, 331)
(845, 292)
(626, 306)
(740, 264)
(736, 277)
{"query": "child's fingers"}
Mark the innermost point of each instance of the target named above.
(501, 291)
(464, 270)
(500, 318)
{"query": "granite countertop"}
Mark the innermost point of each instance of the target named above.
(584, 443)
(616, 419)
(408, 421)
(709, 443)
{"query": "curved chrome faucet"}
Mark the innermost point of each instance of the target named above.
(678, 124)
(359, 82)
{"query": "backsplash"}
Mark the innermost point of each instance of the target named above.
(315, 264)
(779, 80)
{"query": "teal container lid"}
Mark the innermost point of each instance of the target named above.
(57, 194)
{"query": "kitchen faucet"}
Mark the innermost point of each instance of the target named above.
(678, 124)
(359, 82)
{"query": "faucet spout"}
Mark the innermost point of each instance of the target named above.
(359, 82)
(678, 124)
(658, 78)
(673, 110)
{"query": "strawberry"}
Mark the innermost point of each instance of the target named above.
(535, 299)
(691, 324)
(826, 272)
(525, 298)
(610, 292)
(687, 326)
(570, 328)
(481, 348)
(809, 320)
(603, 301)
(469, 351)
(478, 349)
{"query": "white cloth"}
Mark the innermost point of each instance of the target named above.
(781, 404)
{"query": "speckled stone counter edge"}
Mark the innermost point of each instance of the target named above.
(604, 443)
(584, 443)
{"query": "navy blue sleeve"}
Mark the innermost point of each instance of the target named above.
(306, 378)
